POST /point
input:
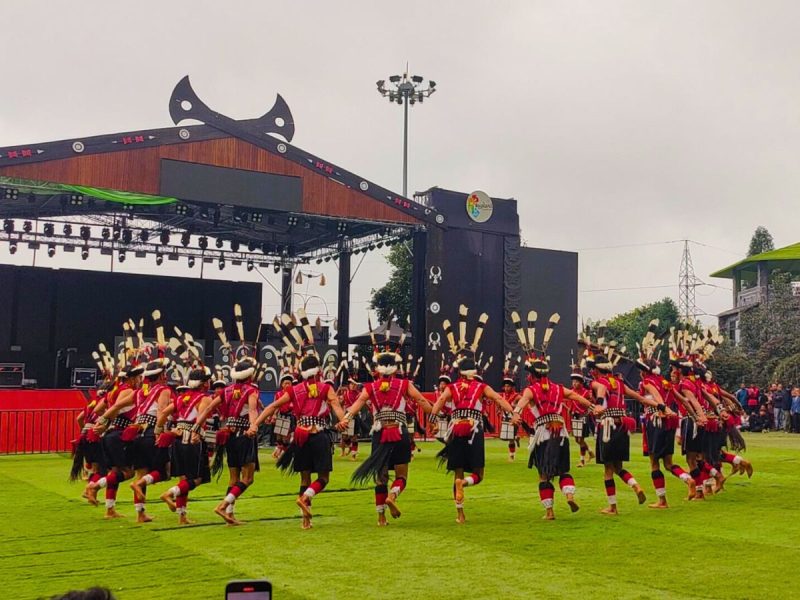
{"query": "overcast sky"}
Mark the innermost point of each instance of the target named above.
(610, 122)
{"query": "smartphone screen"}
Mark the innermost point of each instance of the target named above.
(248, 590)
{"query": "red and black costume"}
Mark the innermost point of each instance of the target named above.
(310, 449)
(240, 449)
(464, 445)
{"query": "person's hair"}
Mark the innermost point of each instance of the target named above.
(95, 593)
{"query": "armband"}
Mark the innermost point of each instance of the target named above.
(517, 410)
(196, 428)
(661, 408)
(102, 421)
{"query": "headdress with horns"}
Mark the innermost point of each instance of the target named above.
(537, 362)
(465, 355)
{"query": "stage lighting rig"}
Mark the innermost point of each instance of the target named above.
(51, 250)
(84, 252)
(8, 225)
(67, 230)
(27, 227)
(159, 259)
(12, 247)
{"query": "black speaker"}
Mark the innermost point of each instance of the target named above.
(11, 375)
(84, 378)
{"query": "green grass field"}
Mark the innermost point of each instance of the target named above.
(742, 543)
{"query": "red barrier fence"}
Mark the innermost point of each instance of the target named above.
(33, 421)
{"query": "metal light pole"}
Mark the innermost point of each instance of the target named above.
(405, 89)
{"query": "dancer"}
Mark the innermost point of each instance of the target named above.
(240, 405)
(614, 426)
(549, 444)
(509, 432)
(388, 397)
(464, 447)
(284, 420)
(580, 415)
(189, 452)
(658, 439)
(312, 401)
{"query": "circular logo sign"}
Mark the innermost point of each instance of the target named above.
(479, 207)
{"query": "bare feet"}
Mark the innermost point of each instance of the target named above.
(692, 490)
(391, 502)
(662, 503)
(91, 495)
(302, 502)
(113, 514)
(220, 510)
(640, 494)
(143, 517)
(573, 506)
(137, 489)
(460, 516)
(167, 498)
(591, 456)
(459, 497)
(354, 457)
(549, 515)
(184, 520)
(306, 523)
(382, 522)
(699, 495)
(748, 468)
(610, 510)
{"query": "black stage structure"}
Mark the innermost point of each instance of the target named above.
(238, 193)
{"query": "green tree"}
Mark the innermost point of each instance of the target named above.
(770, 332)
(760, 242)
(788, 371)
(630, 327)
(731, 366)
(395, 296)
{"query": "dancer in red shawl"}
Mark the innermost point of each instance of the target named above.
(189, 452)
(240, 406)
(441, 423)
(387, 396)
(661, 422)
(284, 420)
(580, 415)
(550, 441)
(312, 401)
(733, 439)
(464, 447)
(614, 426)
(120, 414)
(349, 394)
(509, 432)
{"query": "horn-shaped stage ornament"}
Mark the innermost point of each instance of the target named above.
(185, 104)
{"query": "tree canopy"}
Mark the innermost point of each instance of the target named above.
(760, 242)
(395, 296)
(629, 327)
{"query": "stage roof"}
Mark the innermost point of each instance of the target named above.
(232, 180)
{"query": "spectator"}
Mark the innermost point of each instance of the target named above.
(741, 395)
(94, 593)
(777, 406)
(787, 409)
(752, 399)
(795, 410)
(759, 422)
(744, 424)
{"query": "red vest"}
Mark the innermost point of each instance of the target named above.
(615, 397)
(467, 394)
(548, 398)
(186, 403)
(235, 398)
(145, 401)
(578, 408)
(392, 397)
(310, 398)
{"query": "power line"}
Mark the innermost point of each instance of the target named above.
(643, 287)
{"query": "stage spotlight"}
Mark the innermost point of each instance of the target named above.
(372, 246)
(291, 221)
(256, 217)
(319, 261)
(218, 243)
(12, 247)
(379, 244)
(10, 194)
(186, 238)
(251, 246)
(117, 231)
(27, 226)
(164, 237)
(106, 233)
(181, 209)
(144, 235)
(341, 227)
(127, 236)
(202, 241)
(8, 226)
(51, 250)
(84, 252)
(86, 232)
(327, 259)
(276, 268)
(250, 265)
(122, 256)
(221, 264)
(159, 258)
(76, 199)
(191, 261)
(67, 229)
(234, 246)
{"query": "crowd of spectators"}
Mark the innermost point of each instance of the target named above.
(774, 409)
